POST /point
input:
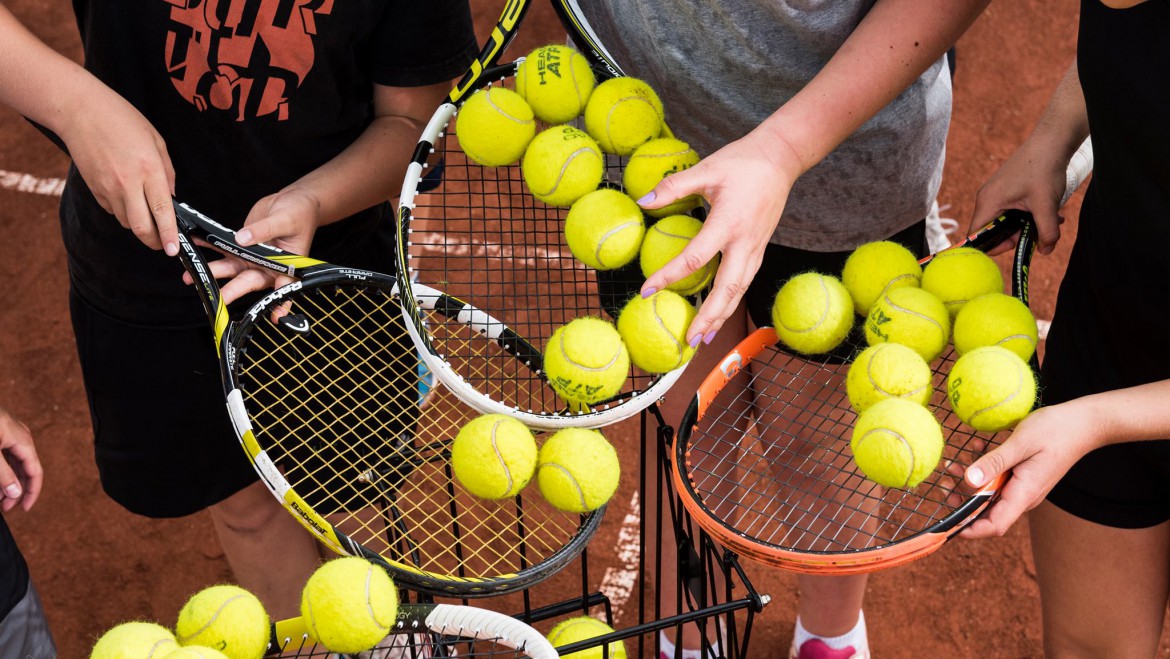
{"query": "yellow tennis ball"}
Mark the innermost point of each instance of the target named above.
(556, 81)
(604, 229)
(197, 652)
(586, 361)
(875, 268)
(888, 370)
(578, 470)
(494, 127)
(561, 165)
(654, 330)
(622, 114)
(226, 618)
(991, 389)
(996, 319)
(135, 640)
(959, 275)
(654, 161)
(897, 443)
(582, 629)
(494, 456)
(349, 605)
(812, 313)
(910, 316)
(666, 240)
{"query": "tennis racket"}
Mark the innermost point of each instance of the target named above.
(480, 238)
(423, 631)
(774, 481)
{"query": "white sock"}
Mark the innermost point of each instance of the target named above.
(666, 649)
(855, 638)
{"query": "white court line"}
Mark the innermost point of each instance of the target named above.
(619, 582)
(22, 182)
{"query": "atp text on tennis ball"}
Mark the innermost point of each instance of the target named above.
(912, 317)
(196, 652)
(623, 114)
(225, 618)
(991, 389)
(556, 81)
(897, 443)
(654, 330)
(586, 361)
(582, 629)
(996, 319)
(135, 640)
(959, 275)
(888, 370)
(349, 605)
(654, 161)
(561, 165)
(875, 268)
(665, 240)
(812, 313)
(494, 127)
(578, 470)
(604, 229)
(494, 456)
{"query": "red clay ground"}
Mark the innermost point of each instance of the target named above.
(96, 565)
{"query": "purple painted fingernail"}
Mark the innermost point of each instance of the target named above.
(695, 340)
(648, 198)
(709, 337)
(649, 291)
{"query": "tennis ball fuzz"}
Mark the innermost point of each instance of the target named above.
(654, 330)
(578, 470)
(197, 652)
(561, 165)
(888, 370)
(349, 605)
(225, 618)
(910, 316)
(654, 161)
(586, 361)
(604, 229)
(135, 640)
(494, 456)
(812, 313)
(996, 319)
(556, 81)
(959, 275)
(623, 114)
(581, 629)
(666, 240)
(991, 389)
(897, 443)
(494, 127)
(875, 268)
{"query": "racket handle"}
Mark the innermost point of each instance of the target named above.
(1079, 168)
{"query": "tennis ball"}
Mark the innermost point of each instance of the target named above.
(875, 268)
(604, 229)
(897, 443)
(586, 361)
(888, 370)
(622, 114)
(666, 240)
(654, 161)
(226, 618)
(578, 470)
(198, 652)
(581, 629)
(991, 388)
(654, 330)
(135, 640)
(349, 605)
(812, 313)
(996, 319)
(494, 127)
(959, 275)
(494, 456)
(910, 316)
(561, 165)
(556, 81)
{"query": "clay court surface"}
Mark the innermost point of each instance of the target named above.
(97, 565)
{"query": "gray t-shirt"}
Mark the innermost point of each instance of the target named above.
(723, 66)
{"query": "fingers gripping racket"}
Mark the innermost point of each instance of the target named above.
(762, 457)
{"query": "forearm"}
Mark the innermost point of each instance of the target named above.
(1065, 122)
(1131, 414)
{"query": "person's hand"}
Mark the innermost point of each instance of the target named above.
(21, 474)
(1033, 180)
(747, 184)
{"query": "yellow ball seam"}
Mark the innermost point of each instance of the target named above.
(824, 313)
(370, 603)
(1005, 400)
(606, 236)
(613, 108)
(916, 313)
(564, 168)
(606, 366)
(500, 456)
(905, 442)
(572, 480)
(503, 112)
(874, 382)
(211, 621)
(678, 344)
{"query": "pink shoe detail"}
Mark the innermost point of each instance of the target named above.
(815, 648)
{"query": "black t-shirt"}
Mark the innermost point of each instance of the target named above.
(249, 96)
(13, 574)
